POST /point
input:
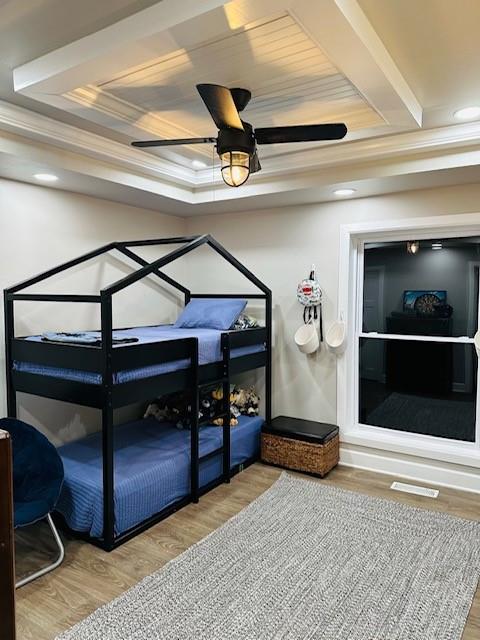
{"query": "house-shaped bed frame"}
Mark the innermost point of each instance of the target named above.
(107, 361)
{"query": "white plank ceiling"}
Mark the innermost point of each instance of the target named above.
(291, 79)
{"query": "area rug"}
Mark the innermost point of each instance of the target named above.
(307, 561)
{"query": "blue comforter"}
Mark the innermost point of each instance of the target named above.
(152, 470)
(209, 350)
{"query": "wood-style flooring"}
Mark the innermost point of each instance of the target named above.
(90, 577)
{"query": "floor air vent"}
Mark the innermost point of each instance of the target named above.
(412, 488)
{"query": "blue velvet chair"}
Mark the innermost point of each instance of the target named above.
(37, 481)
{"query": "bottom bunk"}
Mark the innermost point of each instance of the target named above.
(152, 470)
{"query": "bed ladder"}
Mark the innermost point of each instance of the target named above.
(196, 459)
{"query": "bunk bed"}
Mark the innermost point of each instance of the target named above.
(126, 478)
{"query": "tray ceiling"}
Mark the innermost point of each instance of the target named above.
(128, 72)
(304, 62)
(291, 79)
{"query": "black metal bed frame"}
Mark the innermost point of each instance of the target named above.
(107, 361)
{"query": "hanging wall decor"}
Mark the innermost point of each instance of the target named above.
(309, 294)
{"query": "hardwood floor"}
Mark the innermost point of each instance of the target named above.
(90, 577)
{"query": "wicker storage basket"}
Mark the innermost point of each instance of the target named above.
(299, 451)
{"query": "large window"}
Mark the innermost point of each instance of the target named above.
(417, 366)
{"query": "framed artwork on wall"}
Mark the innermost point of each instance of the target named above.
(423, 301)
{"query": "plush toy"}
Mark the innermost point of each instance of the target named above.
(217, 406)
(177, 407)
(242, 402)
(156, 410)
(246, 401)
(245, 321)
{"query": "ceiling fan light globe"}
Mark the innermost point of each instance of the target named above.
(235, 167)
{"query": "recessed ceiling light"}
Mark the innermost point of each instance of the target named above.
(436, 246)
(343, 192)
(467, 113)
(199, 164)
(45, 177)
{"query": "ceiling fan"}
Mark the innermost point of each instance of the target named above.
(237, 140)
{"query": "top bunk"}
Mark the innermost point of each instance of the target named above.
(136, 363)
(160, 362)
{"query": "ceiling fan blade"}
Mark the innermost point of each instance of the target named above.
(168, 143)
(220, 104)
(301, 133)
(255, 163)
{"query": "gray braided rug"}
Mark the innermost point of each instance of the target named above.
(306, 561)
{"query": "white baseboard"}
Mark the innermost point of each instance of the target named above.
(411, 468)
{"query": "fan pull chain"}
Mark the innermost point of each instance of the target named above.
(213, 173)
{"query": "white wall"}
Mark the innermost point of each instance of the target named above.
(279, 246)
(42, 227)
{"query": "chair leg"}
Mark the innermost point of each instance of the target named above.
(50, 567)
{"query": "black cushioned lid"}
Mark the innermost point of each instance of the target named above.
(298, 429)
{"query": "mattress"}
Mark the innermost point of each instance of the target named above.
(152, 470)
(209, 350)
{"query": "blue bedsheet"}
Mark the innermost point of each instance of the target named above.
(152, 470)
(209, 350)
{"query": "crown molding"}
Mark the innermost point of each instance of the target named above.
(33, 125)
(401, 154)
(67, 79)
(105, 103)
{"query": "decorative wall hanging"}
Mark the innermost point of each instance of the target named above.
(309, 294)
(423, 302)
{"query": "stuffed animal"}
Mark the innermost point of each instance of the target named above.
(177, 407)
(217, 406)
(245, 401)
(242, 402)
(157, 410)
(245, 321)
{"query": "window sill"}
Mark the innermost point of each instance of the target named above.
(453, 452)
